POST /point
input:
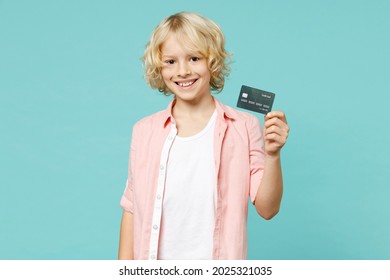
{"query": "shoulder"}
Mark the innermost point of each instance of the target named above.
(151, 121)
(239, 116)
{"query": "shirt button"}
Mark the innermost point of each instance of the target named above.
(170, 138)
(162, 167)
(153, 257)
(158, 196)
(155, 227)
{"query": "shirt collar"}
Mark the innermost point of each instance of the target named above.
(167, 113)
(221, 112)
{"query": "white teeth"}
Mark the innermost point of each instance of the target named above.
(186, 84)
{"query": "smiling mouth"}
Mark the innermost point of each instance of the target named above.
(186, 84)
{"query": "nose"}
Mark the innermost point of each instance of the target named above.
(183, 69)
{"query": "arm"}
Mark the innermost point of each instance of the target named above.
(126, 237)
(269, 194)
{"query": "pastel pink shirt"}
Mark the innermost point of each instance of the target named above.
(239, 165)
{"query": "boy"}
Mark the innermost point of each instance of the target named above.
(193, 166)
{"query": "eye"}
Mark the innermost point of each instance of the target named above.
(195, 58)
(169, 61)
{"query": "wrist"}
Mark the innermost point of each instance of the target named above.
(272, 156)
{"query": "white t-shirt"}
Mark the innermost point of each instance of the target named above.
(188, 213)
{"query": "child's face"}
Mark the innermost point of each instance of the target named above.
(184, 72)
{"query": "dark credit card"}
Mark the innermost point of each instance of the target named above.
(256, 100)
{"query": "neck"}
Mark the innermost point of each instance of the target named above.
(205, 106)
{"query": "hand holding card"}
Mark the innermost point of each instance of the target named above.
(275, 123)
(276, 132)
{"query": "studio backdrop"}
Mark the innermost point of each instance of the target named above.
(72, 87)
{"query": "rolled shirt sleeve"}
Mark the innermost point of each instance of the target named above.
(127, 201)
(127, 198)
(256, 156)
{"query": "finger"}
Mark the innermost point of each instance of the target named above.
(278, 114)
(273, 129)
(274, 138)
(276, 121)
(277, 130)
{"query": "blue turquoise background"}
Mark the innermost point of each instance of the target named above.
(71, 87)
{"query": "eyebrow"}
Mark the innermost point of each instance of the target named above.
(167, 56)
